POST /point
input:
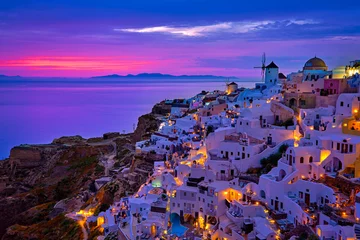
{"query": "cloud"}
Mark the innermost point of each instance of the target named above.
(301, 22)
(185, 31)
(229, 27)
(343, 38)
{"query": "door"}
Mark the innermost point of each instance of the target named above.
(276, 205)
(344, 148)
(226, 154)
(307, 199)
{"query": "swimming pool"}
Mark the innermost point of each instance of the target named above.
(176, 228)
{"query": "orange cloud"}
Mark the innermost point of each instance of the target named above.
(78, 63)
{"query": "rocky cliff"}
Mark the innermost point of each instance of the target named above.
(39, 184)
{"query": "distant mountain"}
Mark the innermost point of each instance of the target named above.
(5, 76)
(160, 75)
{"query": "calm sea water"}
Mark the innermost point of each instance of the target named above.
(39, 110)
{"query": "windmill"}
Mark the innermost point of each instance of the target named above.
(226, 84)
(263, 60)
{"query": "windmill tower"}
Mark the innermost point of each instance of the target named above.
(263, 67)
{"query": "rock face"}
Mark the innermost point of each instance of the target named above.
(36, 177)
(147, 124)
(111, 135)
(161, 109)
(69, 140)
(25, 157)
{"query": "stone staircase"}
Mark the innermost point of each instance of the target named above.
(357, 231)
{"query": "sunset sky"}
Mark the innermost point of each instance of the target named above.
(87, 38)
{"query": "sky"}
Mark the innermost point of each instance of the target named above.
(84, 38)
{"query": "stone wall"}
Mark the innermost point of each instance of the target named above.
(281, 111)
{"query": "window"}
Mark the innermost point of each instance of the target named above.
(248, 155)
(348, 105)
(178, 204)
(301, 160)
(173, 204)
(337, 146)
(341, 104)
(317, 142)
(301, 194)
(310, 159)
(193, 194)
(184, 194)
(231, 153)
(350, 148)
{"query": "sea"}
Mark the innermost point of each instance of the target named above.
(38, 110)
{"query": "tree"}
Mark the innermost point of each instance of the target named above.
(209, 129)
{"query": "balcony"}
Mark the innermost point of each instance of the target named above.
(188, 210)
(210, 212)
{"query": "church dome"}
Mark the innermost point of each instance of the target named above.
(315, 64)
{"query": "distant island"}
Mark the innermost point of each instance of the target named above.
(5, 76)
(160, 75)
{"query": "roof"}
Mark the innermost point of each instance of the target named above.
(232, 83)
(340, 137)
(272, 65)
(281, 76)
(315, 62)
(219, 185)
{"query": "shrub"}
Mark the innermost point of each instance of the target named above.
(62, 189)
(209, 129)
(101, 208)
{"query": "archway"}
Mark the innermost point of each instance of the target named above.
(263, 194)
(337, 164)
(282, 174)
(293, 102)
(334, 165)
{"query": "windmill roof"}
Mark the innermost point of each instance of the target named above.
(281, 75)
(232, 83)
(272, 65)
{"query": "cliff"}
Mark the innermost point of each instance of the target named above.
(147, 124)
(39, 184)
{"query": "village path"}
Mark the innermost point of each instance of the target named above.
(81, 221)
(85, 233)
(107, 160)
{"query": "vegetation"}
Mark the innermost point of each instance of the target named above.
(268, 163)
(83, 163)
(62, 189)
(287, 123)
(192, 111)
(99, 169)
(209, 129)
(59, 227)
(101, 208)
